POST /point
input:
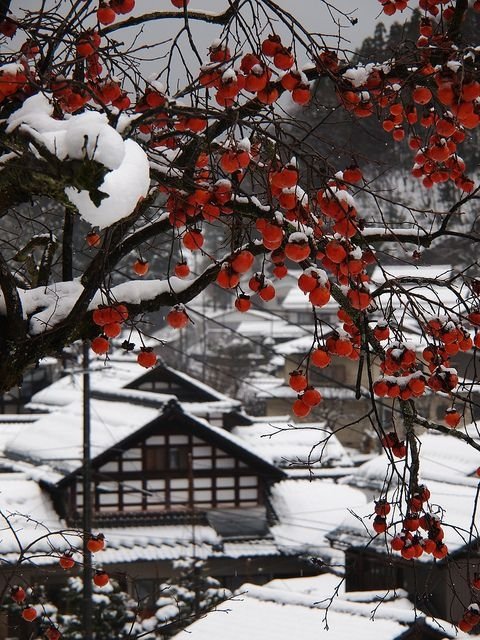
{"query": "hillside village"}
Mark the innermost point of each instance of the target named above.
(278, 510)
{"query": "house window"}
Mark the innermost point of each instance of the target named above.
(165, 458)
(225, 495)
(154, 459)
(132, 454)
(178, 458)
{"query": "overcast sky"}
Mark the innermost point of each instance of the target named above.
(315, 15)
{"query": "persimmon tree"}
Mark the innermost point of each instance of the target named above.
(105, 164)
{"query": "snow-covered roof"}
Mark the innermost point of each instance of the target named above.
(113, 375)
(307, 510)
(10, 425)
(280, 330)
(173, 542)
(303, 344)
(233, 316)
(202, 386)
(239, 443)
(443, 458)
(432, 298)
(166, 542)
(253, 323)
(56, 438)
(293, 445)
(263, 383)
(26, 517)
(283, 612)
(113, 378)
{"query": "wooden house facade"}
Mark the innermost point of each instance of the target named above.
(177, 464)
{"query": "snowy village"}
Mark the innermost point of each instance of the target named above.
(239, 319)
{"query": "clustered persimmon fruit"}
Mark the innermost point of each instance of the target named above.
(110, 318)
(308, 397)
(392, 442)
(229, 275)
(411, 543)
(403, 371)
(437, 105)
(255, 74)
(390, 7)
(442, 103)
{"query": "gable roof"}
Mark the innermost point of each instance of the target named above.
(57, 438)
(121, 379)
(167, 374)
(115, 375)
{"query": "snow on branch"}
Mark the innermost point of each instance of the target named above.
(88, 136)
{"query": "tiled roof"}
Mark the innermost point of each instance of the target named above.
(282, 612)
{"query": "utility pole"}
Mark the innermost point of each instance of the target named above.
(87, 501)
(196, 569)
